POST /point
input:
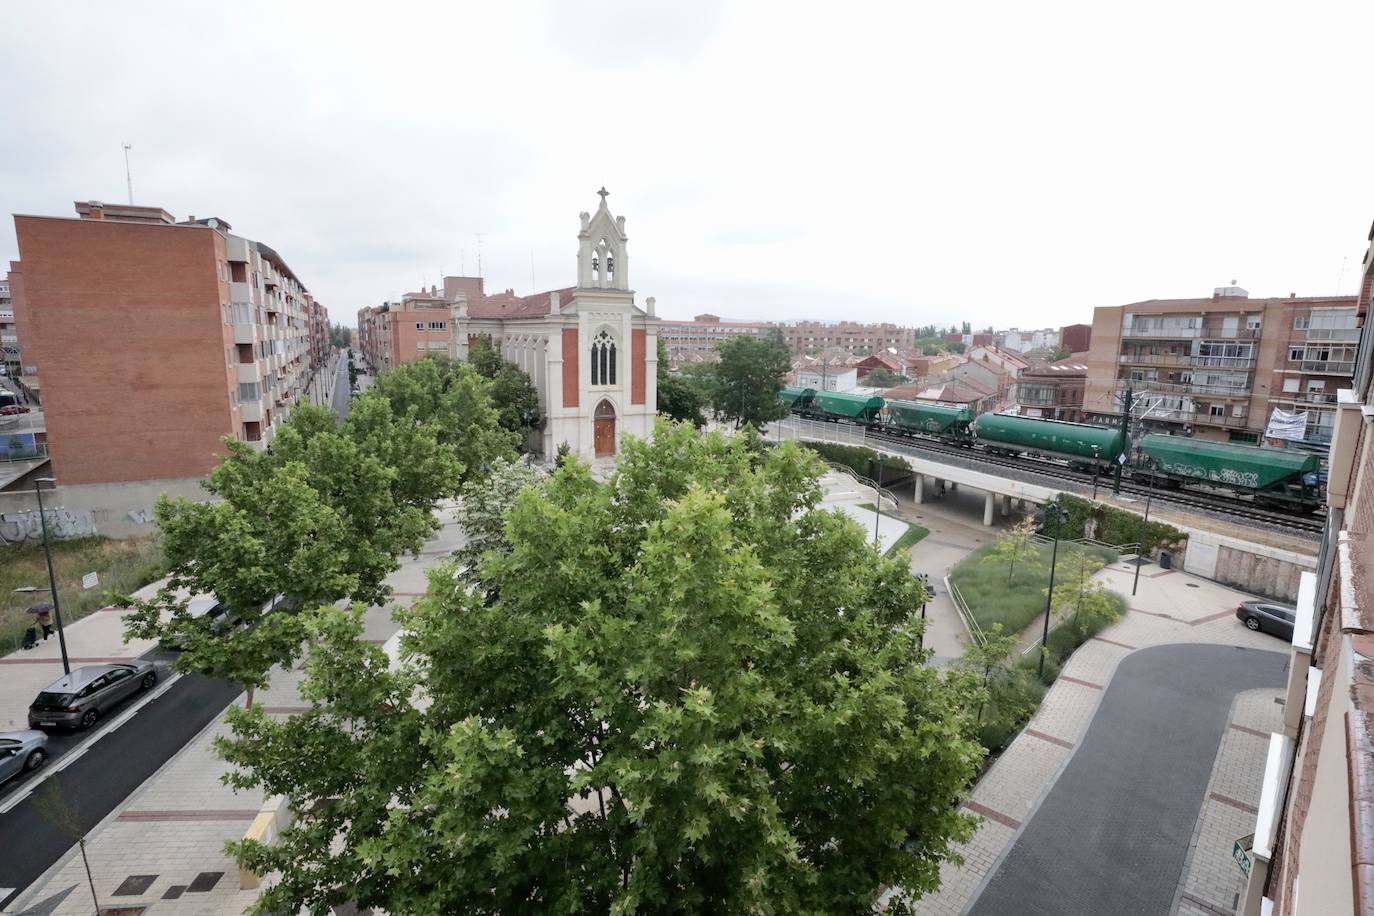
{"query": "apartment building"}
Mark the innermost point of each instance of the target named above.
(1053, 391)
(401, 332)
(1077, 337)
(1312, 849)
(9, 337)
(853, 337)
(1215, 368)
(154, 338)
(695, 340)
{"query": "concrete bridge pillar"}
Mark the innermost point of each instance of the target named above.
(953, 487)
(988, 508)
(1006, 505)
(919, 487)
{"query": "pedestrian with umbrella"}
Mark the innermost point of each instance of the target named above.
(44, 612)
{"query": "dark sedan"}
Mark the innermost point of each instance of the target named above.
(1267, 617)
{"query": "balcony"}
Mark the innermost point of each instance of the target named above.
(1348, 334)
(1224, 362)
(1162, 333)
(240, 292)
(1328, 366)
(1230, 333)
(249, 372)
(250, 411)
(244, 333)
(1156, 359)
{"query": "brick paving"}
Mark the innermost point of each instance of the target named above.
(1179, 609)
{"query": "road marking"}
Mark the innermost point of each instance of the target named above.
(76, 753)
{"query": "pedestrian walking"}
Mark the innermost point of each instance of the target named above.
(45, 621)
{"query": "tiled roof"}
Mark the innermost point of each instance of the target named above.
(504, 305)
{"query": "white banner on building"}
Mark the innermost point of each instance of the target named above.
(1285, 424)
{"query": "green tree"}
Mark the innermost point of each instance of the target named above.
(269, 548)
(966, 329)
(512, 392)
(956, 346)
(1013, 545)
(882, 378)
(456, 402)
(1075, 590)
(990, 657)
(1060, 352)
(746, 381)
(687, 689)
(486, 501)
(679, 397)
(340, 337)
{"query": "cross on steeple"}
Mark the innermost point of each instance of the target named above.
(604, 193)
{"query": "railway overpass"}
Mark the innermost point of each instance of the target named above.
(932, 477)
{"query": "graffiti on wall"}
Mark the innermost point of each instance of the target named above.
(17, 527)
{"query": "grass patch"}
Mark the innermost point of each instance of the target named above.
(123, 566)
(993, 598)
(910, 539)
(913, 536)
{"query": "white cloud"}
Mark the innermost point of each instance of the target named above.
(1005, 163)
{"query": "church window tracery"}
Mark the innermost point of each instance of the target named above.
(603, 359)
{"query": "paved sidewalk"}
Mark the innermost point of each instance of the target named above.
(1171, 607)
(165, 844)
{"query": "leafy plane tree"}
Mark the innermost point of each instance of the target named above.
(687, 689)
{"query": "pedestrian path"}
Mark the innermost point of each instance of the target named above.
(1171, 607)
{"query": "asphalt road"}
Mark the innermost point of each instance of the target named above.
(103, 776)
(341, 389)
(1113, 833)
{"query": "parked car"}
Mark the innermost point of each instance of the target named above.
(22, 752)
(79, 699)
(1267, 617)
(208, 608)
(10, 410)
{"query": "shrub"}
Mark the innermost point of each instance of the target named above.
(1084, 518)
(860, 460)
(993, 599)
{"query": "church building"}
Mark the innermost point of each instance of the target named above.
(590, 351)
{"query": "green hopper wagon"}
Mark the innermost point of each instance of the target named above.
(1245, 467)
(1083, 442)
(840, 405)
(934, 419)
(797, 398)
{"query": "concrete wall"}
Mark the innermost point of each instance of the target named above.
(117, 510)
(1255, 568)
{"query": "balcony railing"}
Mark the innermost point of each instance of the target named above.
(1230, 333)
(1166, 333)
(1225, 362)
(1191, 388)
(1351, 334)
(1328, 366)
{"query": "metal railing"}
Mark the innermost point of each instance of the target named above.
(975, 631)
(881, 495)
(40, 450)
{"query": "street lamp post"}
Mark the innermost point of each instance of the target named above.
(1096, 470)
(878, 502)
(1139, 560)
(1050, 515)
(52, 578)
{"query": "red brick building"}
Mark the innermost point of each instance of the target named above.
(1077, 337)
(1053, 391)
(154, 338)
(1313, 843)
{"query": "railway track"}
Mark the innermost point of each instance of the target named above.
(1221, 505)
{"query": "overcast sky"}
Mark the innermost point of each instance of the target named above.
(1012, 164)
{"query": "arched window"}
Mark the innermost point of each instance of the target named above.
(603, 359)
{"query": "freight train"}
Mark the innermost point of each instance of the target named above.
(1278, 478)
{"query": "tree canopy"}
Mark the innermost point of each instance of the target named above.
(746, 381)
(319, 516)
(512, 392)
(680, 397)
(685, 689)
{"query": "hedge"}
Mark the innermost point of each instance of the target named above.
(860, 460)
(1084, 518)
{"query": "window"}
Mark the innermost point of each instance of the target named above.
(248, 391)
(437, 325)
(603, 359)
(1252, 323)
(1295, 354)
(419, 325)
(1301, 322)
(1218, 410)
(1291, 385)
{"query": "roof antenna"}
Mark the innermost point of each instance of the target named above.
(1345, 262)
(534, 287)
(128, 175)
(479, 253)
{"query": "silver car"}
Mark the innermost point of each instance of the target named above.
(21, 752)
(82, 697)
